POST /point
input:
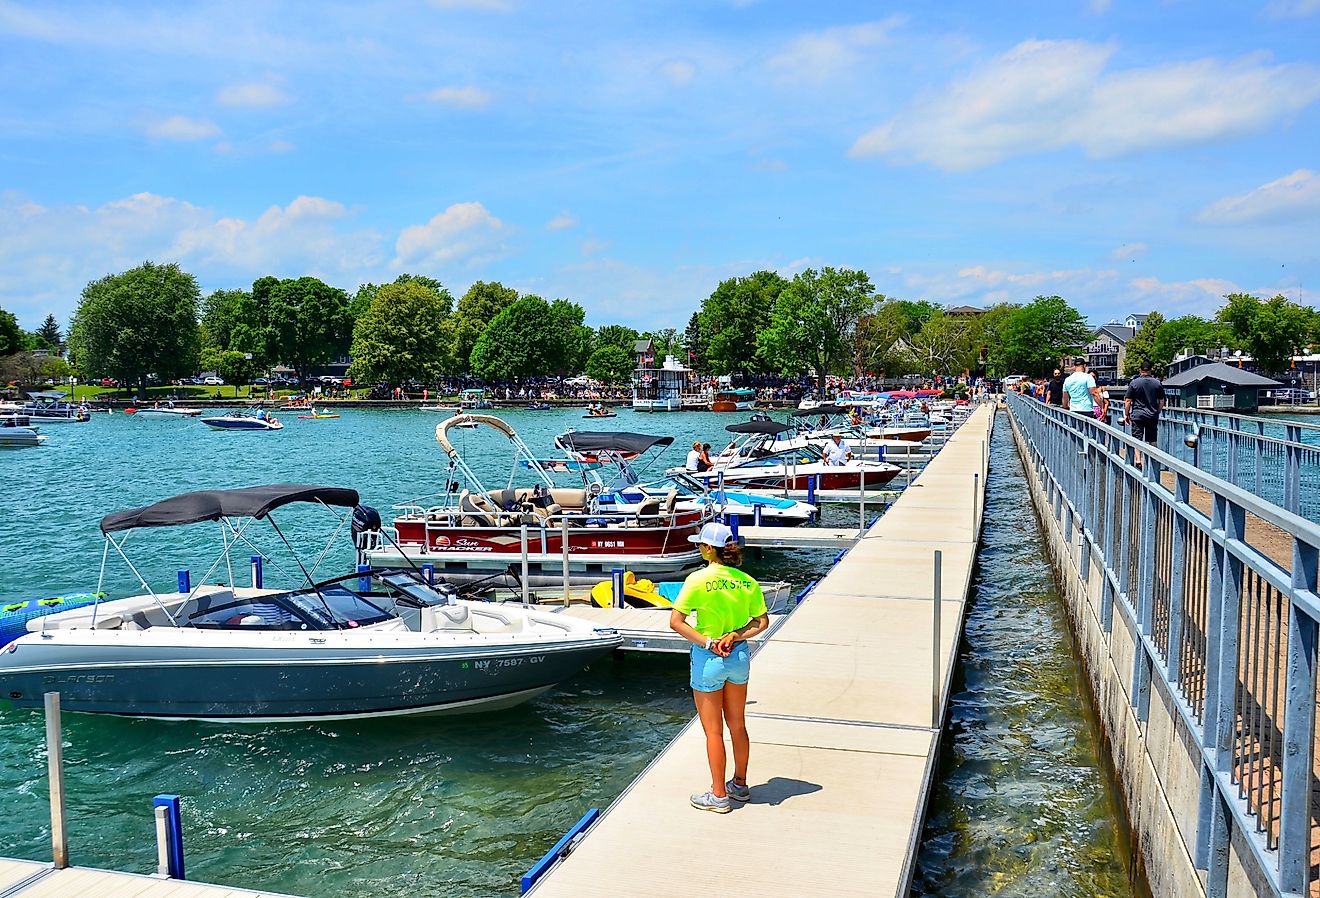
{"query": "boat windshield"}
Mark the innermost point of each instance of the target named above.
(329, 608)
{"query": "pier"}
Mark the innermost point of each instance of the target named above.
(845, 708)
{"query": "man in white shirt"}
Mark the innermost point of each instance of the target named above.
(835, 452)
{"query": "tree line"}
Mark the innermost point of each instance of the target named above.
(152, 321)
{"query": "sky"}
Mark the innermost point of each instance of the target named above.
(1125, 155)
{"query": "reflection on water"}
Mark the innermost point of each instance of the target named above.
(1024, 804)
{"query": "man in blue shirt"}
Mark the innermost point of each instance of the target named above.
(1080, 394)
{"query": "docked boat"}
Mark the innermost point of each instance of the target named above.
(347, 647)
(734, 399)
(624, 458)
(17, 432)
(49, 407)
(241, 421)
(751, 462)
(473, 399)
(669, 388)
(470, 531)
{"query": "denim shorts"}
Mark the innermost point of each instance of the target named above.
(710, 672)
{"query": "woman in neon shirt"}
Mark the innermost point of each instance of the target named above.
(730, 609)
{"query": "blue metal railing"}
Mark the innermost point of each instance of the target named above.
(1277, 460)
(1219, 586)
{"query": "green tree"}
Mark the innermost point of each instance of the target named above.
(232, 320)
(478, 308)
(667, 340)
(573, 337)
(521, 341)
(140, 322)
(944, 345)
(50, 332)
(879, 340)
(12, 338)
(307, 321)
(616, 335)
(234, 368)
(1271, 330)
(1141, 348)
(401, 336)
(611, 364)
(815, 321)
(694, 342)
(1190, 332)
(1035, 336)
(731, 318)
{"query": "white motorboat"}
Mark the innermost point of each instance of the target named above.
(240, 421)
(750, 462)
(347, 647)
(168, 412)
(16, 432)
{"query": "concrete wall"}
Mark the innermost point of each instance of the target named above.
(1155, 758)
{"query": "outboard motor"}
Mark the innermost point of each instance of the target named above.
(366, 524)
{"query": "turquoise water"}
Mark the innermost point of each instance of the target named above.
(423, 807)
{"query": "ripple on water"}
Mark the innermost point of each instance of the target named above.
(1024, 805)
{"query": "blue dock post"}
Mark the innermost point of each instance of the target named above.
(616, 584)
(756, 514)
(733, 525)
(172, 849)
(811, 489)
(428, 573)
(185, 582)
(364, 577)
(258, 575)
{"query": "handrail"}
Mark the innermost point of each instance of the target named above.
(1251, 419)
(1228, 625)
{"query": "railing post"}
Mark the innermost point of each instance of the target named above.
(563, 533)
(1298, 727)
(617, 587)
(522, 547)
(258, 576)
(59, 832)
(1177, 580)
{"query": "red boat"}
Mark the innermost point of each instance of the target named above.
(478, 533)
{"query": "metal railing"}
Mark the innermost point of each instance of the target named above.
(1219, 586)
(1278, 461)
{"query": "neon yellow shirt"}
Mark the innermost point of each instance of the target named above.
(724, 599)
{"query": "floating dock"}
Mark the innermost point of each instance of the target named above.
(845, 709)
(798, 537)
(28, 879)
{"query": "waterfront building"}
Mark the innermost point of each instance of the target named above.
(1217, 387)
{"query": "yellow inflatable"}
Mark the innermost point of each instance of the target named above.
(636, 593)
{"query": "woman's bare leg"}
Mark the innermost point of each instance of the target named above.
(710, 707)
(735, 708)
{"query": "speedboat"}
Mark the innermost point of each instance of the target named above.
(348, 647)
(447, 409)
(629, 488)
(538, 406)
(16, 432)
(168, 413)
(750, 462)
(49, 407)
(240, 421)
(471, 531)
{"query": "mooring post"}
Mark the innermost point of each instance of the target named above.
(936, 666)
(756, 514)
(861, 501)
(257, 573)
(185, 582)
(563, 530)
(428, 573)
(167, 806)
(364, 577)
(616, 583)
(59, 832)
(811, 489)
(162, 840)
(522, 544)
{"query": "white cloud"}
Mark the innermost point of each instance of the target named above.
(469, 97)
(463, 232)
(479, 5)
(1293, 9)
(251, 95)
(180, 127)
(820, 55)
(1292, 197)
(280, 146)
(1046, 95)
(561, 222)
(593, 246)
(1100, 7)
(1129, 252)
(678, 71)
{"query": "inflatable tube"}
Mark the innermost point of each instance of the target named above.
(14, 616)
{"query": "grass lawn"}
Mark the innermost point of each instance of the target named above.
(186, 392)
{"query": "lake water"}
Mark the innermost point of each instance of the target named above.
(462, 806)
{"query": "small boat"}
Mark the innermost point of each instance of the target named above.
(169, 413)
(734, 399)
(318, 416)
(643, 593)
(600, 411)
(473, 398)
(751, 462)
(240, 421)
(16, 432)
(48, 407)
(538, 406)
(447, 409)
(348, 647)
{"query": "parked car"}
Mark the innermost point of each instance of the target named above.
(1013, 380)
(213, 381)
(262, 382)
(109, 382)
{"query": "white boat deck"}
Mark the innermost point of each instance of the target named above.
(845, 708)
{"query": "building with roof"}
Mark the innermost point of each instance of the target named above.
(1107, 351)
(1217, 386)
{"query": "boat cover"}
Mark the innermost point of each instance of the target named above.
(825, 408)
(759, 426)
(614, 441)
(212, 505)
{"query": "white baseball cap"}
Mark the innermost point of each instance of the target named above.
(713, 534)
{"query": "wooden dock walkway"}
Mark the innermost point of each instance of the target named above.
(845, 708)
(798, 537)
(28, 879)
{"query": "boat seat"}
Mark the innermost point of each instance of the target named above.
(648, 513)
(548, 512)
(671, 499)
(476, 510)
(573, 500)
(445, 617)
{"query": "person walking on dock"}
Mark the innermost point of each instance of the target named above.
(1080, 394)
(1142, 405)
(730, 609)
(1054, 389)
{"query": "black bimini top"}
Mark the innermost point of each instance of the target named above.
(825, 408)
(212, 505)
(758, 426)
(612, 441)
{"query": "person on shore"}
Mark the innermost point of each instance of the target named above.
(1142, 405)
(694, 457)
(730, 609)
(1054, 389)
(1080, 393)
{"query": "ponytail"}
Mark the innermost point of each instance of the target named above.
(730, 555)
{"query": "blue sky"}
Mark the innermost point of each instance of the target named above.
(1125, 155)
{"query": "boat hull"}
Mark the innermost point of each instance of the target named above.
(799, 478)
(239, 424)
(291, 682)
